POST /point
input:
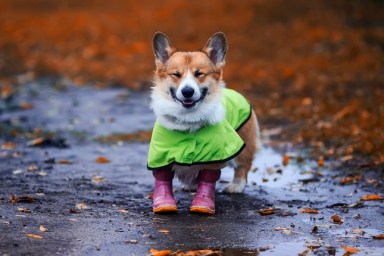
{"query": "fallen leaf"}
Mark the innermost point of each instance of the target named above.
(336, 219)
(123, 211)
(285, 160)
(43, 229)
(26, 105)
(25, 199)
(350, 180)
(308, 210)
(102, 160)
(320, 162)
(164, 231)
(351, 249)
(160, 253)
(358, 231)
(380, 237)
(267, 211)
(82, 206)
(25, 210)
(32, 168)
(64, 161)
(35, 142)
(371, 197)
(97, 179)
(201, 253)
(34, 236)
(305, 252)
(8, 145)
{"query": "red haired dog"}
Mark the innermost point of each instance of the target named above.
(201, 126)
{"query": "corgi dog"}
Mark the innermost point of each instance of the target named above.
(200, 126)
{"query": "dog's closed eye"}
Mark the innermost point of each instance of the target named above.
(176, 74)
(198, 74)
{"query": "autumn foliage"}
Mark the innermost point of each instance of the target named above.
(315, 65)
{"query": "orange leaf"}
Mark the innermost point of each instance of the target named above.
(102, 160)
(64, 161)
(123, 211)
(43, 229)
(285, 160)
(380, 237)
(267, 211)
(308, 210)
(34, 236)
(320, 162)
(350, 249)
(8, 145)
(160, 253)
(165, 231)
(349, 180)
(26, 105)
(336, 219)
(371, 197)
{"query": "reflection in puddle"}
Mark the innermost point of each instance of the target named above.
(268, 170)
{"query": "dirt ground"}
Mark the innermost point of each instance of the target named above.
(75, 126)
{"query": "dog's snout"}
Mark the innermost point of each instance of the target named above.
(187, 91)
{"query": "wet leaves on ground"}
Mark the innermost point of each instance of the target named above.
(20, 199)
(155, 252)
(64, 161)
(379, 237)
(43, 229)
(102, 160)
(372, 197)
(350, 249)
(8, 145)
(309, 210)
(336, 219)
(34, 236)
(267, 211)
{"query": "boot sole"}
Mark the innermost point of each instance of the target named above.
(201, 209)
(165, 208)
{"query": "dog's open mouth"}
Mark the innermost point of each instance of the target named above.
(189, 103)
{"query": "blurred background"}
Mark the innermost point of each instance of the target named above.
(313, 68)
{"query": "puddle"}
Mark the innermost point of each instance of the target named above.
(366, 233)
(239, 252)
(305, 248)
(269, 171)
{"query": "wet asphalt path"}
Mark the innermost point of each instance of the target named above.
(91, 208)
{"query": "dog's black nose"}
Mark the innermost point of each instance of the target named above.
(187, 91)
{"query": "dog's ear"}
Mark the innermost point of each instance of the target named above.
(216, 48)
(162, 47)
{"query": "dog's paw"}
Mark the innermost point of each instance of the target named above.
(236, 187)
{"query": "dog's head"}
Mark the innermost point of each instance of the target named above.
(189, 76)
(188, 82)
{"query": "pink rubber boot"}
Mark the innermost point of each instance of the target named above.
(163, 200)
(204, 201)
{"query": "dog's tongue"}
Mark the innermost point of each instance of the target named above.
(188, 102)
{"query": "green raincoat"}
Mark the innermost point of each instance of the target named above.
(211, 144)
